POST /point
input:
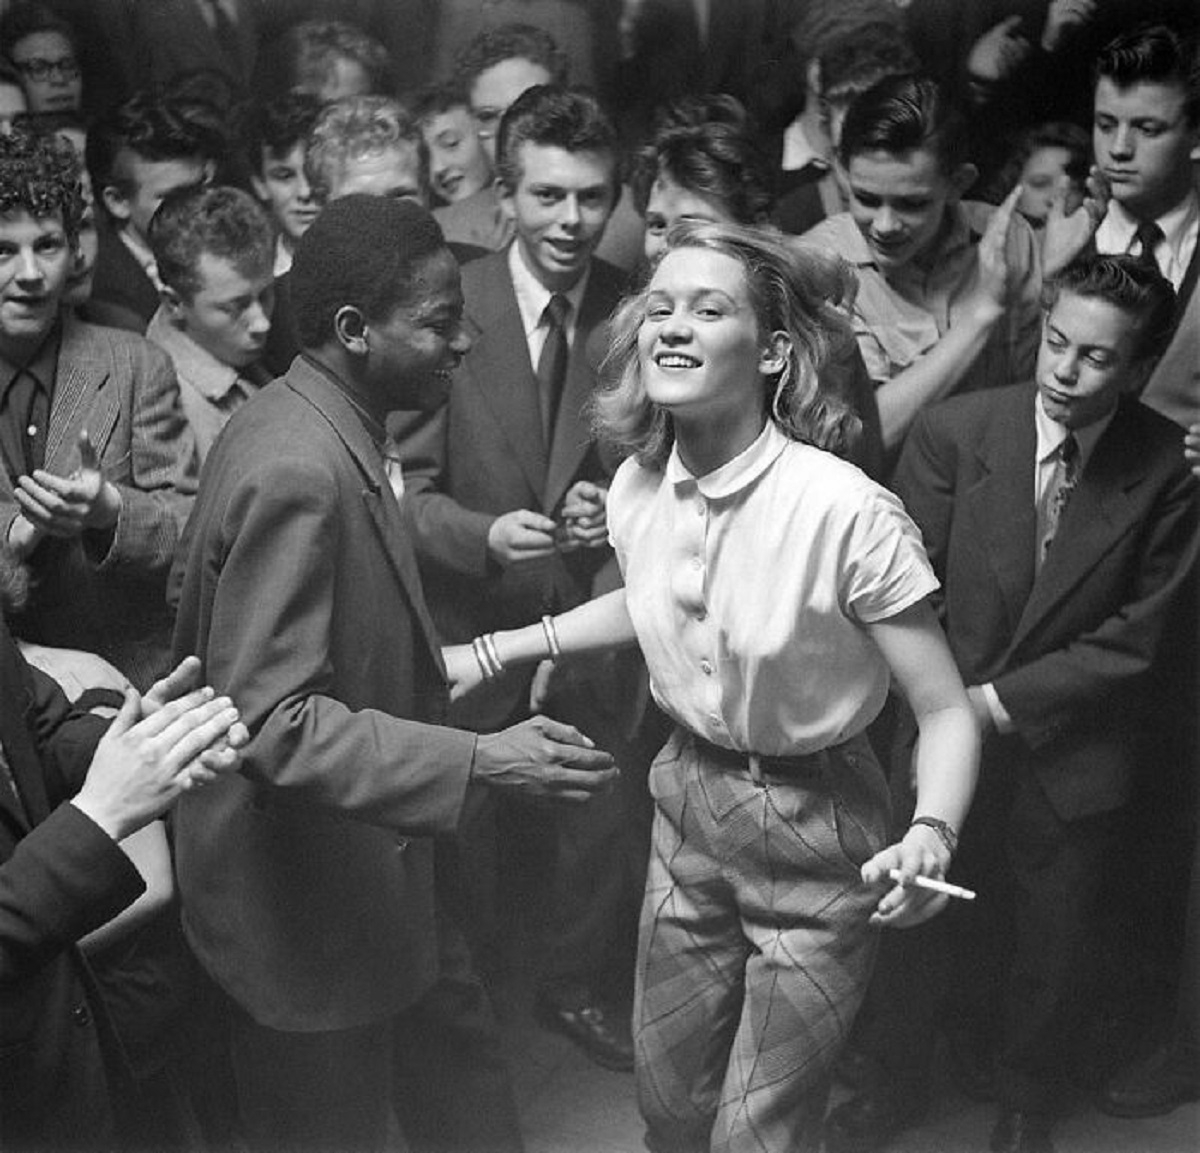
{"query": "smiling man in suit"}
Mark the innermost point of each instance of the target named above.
(307, 881)
(1062, 522)
(99, 463)
(507, 493)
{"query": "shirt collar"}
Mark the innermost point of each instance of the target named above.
(1117, 229)
(196, 365)
(42, 365)
(140, 252)
(1051, 434)
(736, 474)
(798, 150)
(533, 296)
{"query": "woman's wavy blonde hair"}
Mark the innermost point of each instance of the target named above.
(792, 290)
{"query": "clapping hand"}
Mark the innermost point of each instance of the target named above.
(65, 506)
(1067, 233)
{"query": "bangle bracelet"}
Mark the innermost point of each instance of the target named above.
(945, 832)
(489, 646)
(552, 639)
(484, 659)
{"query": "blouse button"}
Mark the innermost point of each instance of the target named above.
(706, 668)
(701, 613)
(697, 562)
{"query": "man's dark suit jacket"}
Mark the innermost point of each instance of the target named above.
(485, 455)
(123, 296)
(1069, 648)
(307, 879)
(102, 593)
(60, 877)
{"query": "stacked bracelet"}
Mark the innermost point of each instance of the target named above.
(490, 664)
(552, 639)
(945, 832)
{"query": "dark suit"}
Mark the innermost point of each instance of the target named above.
(105, 592)
(307, 881)
(123, 296)
(483, 456)
(60, 878)
(1070, 649)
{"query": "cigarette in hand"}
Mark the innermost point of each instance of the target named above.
(934, 886)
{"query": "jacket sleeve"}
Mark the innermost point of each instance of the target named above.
(270, 642)
(156, 472)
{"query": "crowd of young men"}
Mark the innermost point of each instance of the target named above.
(326, 408)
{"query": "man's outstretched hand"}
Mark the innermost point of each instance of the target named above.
(543, 758)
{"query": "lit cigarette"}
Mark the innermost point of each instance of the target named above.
(922, 882)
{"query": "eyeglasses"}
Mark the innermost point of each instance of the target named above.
(487, 121)
(36, 68)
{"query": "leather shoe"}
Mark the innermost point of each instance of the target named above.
(601, 1034)
(1020, 1132)
(1160, 1082)
(868, 1122)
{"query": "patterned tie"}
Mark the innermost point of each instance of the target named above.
(1148, 235)
(1062, 484)
(552, 364)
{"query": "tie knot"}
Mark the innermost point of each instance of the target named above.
(1148, 235)
(1068, 451)
(557, 311)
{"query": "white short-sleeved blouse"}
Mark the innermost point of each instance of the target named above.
(749, 588)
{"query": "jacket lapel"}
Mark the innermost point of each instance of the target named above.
(82, 399)
(1000, 506)
(501, 372)
(572, 434)
(377, 495)
(1096, 517)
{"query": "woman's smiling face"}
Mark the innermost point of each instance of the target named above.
(699, 345)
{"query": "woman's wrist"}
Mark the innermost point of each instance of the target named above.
(943, 830)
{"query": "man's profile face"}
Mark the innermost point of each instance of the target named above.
(899, 202)
(1087, 359)
(35, 260)
(494, 89)
(1143, 144)
(394, 172)
(560, 207)
(412, 352)
(229, 314)
(149, 183)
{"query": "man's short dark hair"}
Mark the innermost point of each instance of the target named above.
(902, 114)
(567, 118)
(434, 99)
(1126, 283)
(360, 126)
(39, 174)
(362, 252)
(224, 222)
(1157, 54)
(272, 128)
(708, 145)
(149, 127)
(26, 19)
(493, 46)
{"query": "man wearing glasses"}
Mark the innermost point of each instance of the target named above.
(42, 48)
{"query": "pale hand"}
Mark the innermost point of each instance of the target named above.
(140, 767)
(999, 52)
(519, 536)
(1063, 19)
(1066, 234)
(585, 518)
(920, 853)
(65, 506)
(993, 281)
(462, 670)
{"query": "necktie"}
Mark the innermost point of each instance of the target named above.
(1148, 235)
(552, 364)
(28, 409)
(10, 782)
(1062, 484)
